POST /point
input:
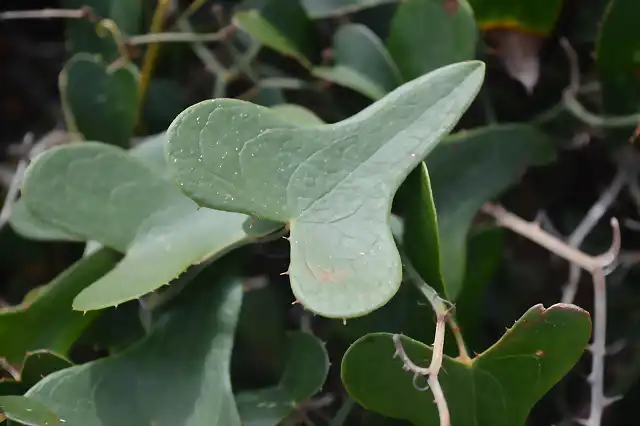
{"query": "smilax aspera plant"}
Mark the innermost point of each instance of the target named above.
(175, 211)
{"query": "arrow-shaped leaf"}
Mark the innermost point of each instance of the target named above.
(333, 184)
(497, 388)
(102, 193)
(178, 375)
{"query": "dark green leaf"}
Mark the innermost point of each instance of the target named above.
(328, 8)
(333, 184)
(100, 100)
(49, 322)
(362, 63)
(306, 370)
(470, 168)
(103, 194)
(178, 375)
(26, 411)
(425, 36)
(36, 366)
(497, 388)
(420, 237)
(533, 16)
(618, 57)
(281, 25)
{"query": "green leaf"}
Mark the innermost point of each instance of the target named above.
(29, 226)
(27, 411)
(49, 322)
(333, 184)
(362, 63)
(100, 100)
(470, 168)
(281, 25)
(104, 194)
(83, 35)
(532, 16)
(318, 9)
(484, 257)
(178, 375)
(420, 231)
(306, 371)
(618, 57)
(297, 114)
(497, 388)
(425, 36)
(36, 366)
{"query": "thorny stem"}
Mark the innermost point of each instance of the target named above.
(82, 13)
(572, 104)
(595, 265)
(598, 349)
(533, 232)
(590, 220)
(432, 371)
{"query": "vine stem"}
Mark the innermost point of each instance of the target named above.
(594, 265)
(432, 371)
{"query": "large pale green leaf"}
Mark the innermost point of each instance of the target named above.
(362, 63)
(103, 194)
(534, 16)
(48, 322)
(497, 388)
(100, 100)
(26, 411)
(424, 35)
(281, 25)
(23, 222)
(305, 373)
(328, 8)
(333, 184)
(177, 376)
(470, 168)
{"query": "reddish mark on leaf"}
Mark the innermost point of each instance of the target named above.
(451, 6)
(326, 276)
(539, 352)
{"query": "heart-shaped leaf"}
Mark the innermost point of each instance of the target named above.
(470, 168)
(362, 63)
(103, 194)
(48, 322)
(27, 411)
(497, 388)
(178, 375)
(327, 8)
(424, 35)
(281, 25)
(333, 184)
(100, 99)
(305, 373)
